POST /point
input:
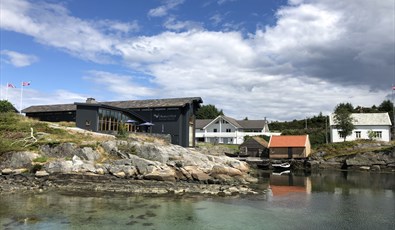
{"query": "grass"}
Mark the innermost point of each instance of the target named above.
(40, 159)
(15, 132)
(350, 148)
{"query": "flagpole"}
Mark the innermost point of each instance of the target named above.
(20, 108)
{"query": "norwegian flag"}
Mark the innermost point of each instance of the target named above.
(9, 85)
(25, 83)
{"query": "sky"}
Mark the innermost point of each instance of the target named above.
(279, 59)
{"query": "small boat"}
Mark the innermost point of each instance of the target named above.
(281, 173)
(282, 165)
(232, 154)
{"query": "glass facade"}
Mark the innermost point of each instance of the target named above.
(111, 120)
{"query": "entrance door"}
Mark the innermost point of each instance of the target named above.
(289, 152)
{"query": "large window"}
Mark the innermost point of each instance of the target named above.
(358, 134)
(110, 120)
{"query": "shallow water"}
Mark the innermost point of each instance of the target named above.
(330, 200)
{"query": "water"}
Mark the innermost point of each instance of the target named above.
(330, 200)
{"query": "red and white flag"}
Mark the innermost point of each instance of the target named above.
(25, 83)
(9, 85)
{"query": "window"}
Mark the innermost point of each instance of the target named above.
(228, 130)
(224, 122)
(358, 134)
(378, 134)
(215, 130)
(341, 135)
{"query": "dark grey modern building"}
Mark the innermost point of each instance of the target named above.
(174, 116)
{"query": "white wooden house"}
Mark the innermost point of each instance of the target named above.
(228, 130)
(379, 123)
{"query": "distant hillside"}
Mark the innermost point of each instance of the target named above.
(314, 127)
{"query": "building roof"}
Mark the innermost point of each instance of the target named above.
(244, 124)
(259, 140)
(50, 108)
(201, 123)
(366, 119)
(154, 103)
(251, 124)
(131, 104)
(288, 141)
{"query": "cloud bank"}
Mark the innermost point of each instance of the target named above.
(319, 53)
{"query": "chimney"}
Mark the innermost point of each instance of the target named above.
(91, 100)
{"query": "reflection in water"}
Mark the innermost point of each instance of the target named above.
(285, 184)
(335, 200)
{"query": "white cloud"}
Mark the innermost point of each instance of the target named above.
(220, 2)
(216, 19)
(118, 27)
(31, 96)
(172, 24)
(123, 86)
(163, 9)
(18, 59)
(318, 54)
(51, 25)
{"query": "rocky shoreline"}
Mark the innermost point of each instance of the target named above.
(154, 167)
(124, 166)
(106, 183)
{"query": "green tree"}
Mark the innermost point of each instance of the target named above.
(6, 106)
(345, 106)
(208, 112)
(387, 106)
(343, 120)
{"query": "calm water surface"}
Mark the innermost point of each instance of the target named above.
(330, 200)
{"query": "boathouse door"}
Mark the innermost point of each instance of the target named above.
(290, 152)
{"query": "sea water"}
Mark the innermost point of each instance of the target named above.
(327, 200)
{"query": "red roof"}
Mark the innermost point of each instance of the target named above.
(288, 141)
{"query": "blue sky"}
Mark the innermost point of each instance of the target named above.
(278, 59)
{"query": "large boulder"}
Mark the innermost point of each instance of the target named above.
(89, 154)
(59, 166)
(197, 174)
(151, 151)
(161, 175)
(220, 169)
(63, 150)
(17, 159)
(144, 166)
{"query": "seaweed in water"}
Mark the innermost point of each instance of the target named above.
(154, 206)
(148, 224)
(150, 214)
(91, 211)
(142, 217)
(132, 222)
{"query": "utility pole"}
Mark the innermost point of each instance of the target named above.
(326, 129)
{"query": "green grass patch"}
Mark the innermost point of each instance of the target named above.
(350, 148)
(42, 159)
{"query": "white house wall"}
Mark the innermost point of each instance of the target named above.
(385, 130)
(233, 136)
(236, 137)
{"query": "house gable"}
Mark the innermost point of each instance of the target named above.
(231, 121)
